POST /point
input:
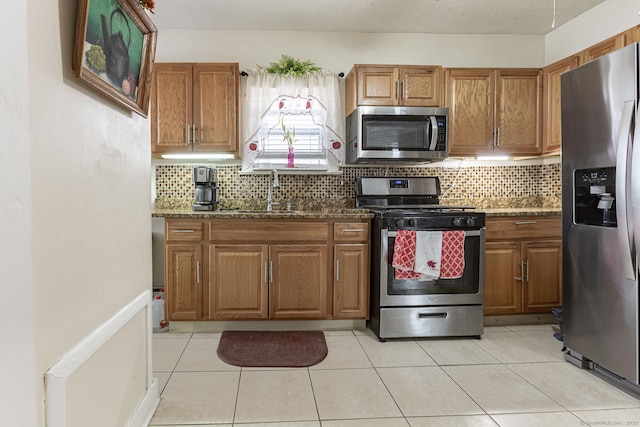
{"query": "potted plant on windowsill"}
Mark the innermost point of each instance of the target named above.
(288, 137)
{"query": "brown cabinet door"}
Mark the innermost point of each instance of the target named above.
(215, 97)
(299, 282)
(503, 289)
(543, 287)
(420, 86)
(377, 85)
(552, 138)
(470, 95)
(183, 285)
(351, 281)
(171, 108)
(603, 48)
(632, 35)
(519, 111)
(238, 277)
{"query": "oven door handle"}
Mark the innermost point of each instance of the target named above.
(470, 233)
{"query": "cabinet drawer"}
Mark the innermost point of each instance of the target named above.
(182, 231)
(350, 232)
(523, 228)
(269, 231)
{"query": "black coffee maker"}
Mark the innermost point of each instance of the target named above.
(206, 191)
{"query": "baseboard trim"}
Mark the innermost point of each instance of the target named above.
(57, 376)
(145, 410)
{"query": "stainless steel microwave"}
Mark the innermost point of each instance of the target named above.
(397, 134)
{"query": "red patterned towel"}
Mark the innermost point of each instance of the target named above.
(452, 264)
(404, 254)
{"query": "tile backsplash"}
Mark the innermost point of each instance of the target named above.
(483, 186)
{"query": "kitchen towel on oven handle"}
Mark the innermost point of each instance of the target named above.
(404, 254)
(428, 254)
(452, 265)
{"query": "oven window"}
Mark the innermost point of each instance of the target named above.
(469, 283)
(382, 132)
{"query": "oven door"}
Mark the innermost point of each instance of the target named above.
(466, 290)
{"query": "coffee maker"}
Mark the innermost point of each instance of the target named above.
(206, 191)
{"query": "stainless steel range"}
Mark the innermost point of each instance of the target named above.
(427, 260)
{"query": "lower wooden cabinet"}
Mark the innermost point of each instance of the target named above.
(267, 269)
(523, 266)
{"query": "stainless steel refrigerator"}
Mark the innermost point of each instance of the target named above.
(601, 214)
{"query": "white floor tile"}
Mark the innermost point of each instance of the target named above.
(456, 351)
(457, 421)
(509, 347)
(163, 378)
(351, 393)
(572, 387)
(394, 352)
(166, 353)
(198, 398)
(555, 419)
(343, 352)
(497, 389)
(611, 417)
(544, 339)
(275, 396)
(427, 391)
(369, 422)
(201, 355)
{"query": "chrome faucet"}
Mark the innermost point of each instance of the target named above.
(275, 184)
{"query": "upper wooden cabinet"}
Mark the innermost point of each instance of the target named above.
(632, 35)
(194, 107)
(552, 111)
(604, 47)
(390, 85)
(494, 111)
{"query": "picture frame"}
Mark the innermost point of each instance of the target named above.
(114, 51)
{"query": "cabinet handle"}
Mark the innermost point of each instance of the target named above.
(188, 134)
(270, 271)
(337, 270)
(352, 230)
(521, 277)
(493, 143)
(197, 271)
(182, 231)
(193, 133)
(527, 275)
(525, 222)
(266, 271)
(498, 139)
(397, 89)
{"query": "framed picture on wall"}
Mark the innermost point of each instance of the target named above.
(114, 49)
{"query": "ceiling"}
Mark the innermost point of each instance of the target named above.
(371, 16)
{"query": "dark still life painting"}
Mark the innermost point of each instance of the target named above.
(114, 48)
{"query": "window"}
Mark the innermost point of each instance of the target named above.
(315, 126)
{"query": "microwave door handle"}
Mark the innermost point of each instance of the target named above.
(625, 235)
(434, 133)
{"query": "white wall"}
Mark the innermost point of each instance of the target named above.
(18, 388)
(603, 21)
(339, 51)
(75, 221)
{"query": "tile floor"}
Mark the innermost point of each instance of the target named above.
(513, 376)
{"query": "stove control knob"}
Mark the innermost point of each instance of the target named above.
(471, 221)
(413, 222)
(400, 222)
(458, 221)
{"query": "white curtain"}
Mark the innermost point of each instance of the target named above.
(260, 90)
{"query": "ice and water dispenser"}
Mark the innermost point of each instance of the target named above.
(594, 197)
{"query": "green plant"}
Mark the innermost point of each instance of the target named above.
(288, 66)
(287, 135)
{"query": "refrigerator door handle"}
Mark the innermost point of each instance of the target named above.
(625, 229)
(635, 183)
